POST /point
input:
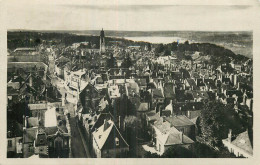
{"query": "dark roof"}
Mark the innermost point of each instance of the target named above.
(100, 120)
(29, 135)
(192, 84)
(185, 73)
(238, 93)
(176, 75)
(15, 129)
(180, 120)
(210, 83)
(157, 93)
(200, 82)
(168, 90)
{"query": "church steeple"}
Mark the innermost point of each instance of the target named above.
(102, 41)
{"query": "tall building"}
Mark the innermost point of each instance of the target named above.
(102, 41)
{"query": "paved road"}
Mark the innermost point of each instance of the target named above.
(77, 146)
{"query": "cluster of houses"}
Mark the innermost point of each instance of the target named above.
(44, 130)
(166, 94)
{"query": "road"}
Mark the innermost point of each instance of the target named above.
(79, 147)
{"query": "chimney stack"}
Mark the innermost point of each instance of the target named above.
(181, 137)
(230, 135)
(106, 124)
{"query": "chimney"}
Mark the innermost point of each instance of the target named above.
(106, 124)
(229, 135)
(181, 136)
(119, 124)
(164, 119)
(26, 121)
(30, 80)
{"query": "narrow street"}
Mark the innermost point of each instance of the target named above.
(79, 147)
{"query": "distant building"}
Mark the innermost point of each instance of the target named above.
(102, 42)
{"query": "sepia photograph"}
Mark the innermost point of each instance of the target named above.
(128, 80)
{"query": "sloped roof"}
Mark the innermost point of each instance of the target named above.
(174, 138)
(102, 135)
(50, 115)
(152, 116)
(29, 135)
(242, 141)
(180, 120)
(157, 93)
(37, 106)
(168, 90)
(143, 107)
(33, 122)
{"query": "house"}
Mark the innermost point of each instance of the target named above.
(108, 141)
(183, 124)
(169, 91)
(14, 139)
(49, 137)
(166, 136)
(90, 98)
(240, 146)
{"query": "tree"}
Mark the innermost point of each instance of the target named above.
(149, 47)
(159, 48)
(132, 124)
(17, 111)
(127, 62)
(111, 62)
(178, 152)
(215, 122)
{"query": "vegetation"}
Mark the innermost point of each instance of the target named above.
(216, 120)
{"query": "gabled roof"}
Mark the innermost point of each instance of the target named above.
(100, 120)
(108, 131)
(168, 90)
(157, 93)
(242, 141)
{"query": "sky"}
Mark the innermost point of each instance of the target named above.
(128, 15)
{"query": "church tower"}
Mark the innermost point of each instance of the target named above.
(102, 42)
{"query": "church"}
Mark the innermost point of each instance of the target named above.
(102, 42)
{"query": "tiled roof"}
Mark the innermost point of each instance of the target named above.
(242, 141)
(29, 135)
(180, 120)
(157, 93)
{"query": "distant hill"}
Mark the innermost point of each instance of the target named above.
(240, 42)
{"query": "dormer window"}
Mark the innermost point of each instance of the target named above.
(117, 141)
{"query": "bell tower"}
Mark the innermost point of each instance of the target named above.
(102, 42)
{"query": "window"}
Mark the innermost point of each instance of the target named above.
(117, 141)
(10, 143)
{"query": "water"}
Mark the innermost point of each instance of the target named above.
(156, 40)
